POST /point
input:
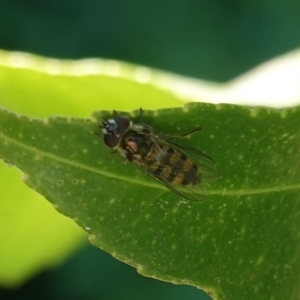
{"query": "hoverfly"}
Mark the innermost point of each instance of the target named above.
(180, 168)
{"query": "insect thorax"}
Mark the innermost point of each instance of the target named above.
(136, 144)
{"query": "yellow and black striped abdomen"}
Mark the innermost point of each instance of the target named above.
(172, 165)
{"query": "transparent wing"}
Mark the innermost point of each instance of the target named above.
(208, 168)
(197, 193)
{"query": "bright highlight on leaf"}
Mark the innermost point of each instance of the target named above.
(241, 243)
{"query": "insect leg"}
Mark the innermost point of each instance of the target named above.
(191, 132)
(113, 152)
(98, 134)
(141, 115)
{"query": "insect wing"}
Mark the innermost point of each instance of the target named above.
(190, 193)
(208, 169)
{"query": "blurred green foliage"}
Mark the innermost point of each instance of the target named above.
(210, 39)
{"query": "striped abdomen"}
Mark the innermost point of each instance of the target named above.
(171, 165)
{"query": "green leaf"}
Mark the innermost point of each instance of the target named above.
(241, 243)
(41, 87)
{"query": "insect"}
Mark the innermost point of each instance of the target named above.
(180, 168)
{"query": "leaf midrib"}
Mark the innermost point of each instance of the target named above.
(146, 183)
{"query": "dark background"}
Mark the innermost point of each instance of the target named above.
(209, 39)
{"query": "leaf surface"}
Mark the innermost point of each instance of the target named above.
(241, 243)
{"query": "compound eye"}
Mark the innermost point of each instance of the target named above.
(123, 124)
(111, 141)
